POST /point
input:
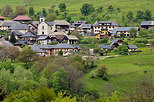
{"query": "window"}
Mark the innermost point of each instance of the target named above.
(42, 27)
(42, 33)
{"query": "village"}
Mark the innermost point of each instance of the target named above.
(49, 38)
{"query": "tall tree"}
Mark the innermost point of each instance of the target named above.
(87, 9)
(139, 15)
(110, 8)
(7, 10)
(129, 16)
(147, 15)
(51, 17)
(44, 13)
(133, 32)
(20, 10)
(62, 7)
(31, 11)
(13, 39)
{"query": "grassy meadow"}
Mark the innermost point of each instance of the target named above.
(124, 73)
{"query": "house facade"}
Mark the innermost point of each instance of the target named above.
(147, 24)
(109, 25)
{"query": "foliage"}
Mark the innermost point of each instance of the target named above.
(87, 9)
(7, 10)
(44, 13)
(129, 16)
(62, 7)
(133, 33)
(21, 10)
(122, 50)
(110, 8)
(7, 66)
(13, 39)
(60, 53)
(51, 17)
(31, 11)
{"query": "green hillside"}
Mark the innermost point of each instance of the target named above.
(75, 5)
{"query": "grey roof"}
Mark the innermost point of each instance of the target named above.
(28, 34)
(50, 23)
(132, 47)
(105, 46)
(115, 30)
(19, 27)
(100, 22)
(37, 49)
(85, 26)
(21, 42)
(63, 45)
(147, 23)
(9, 23)
(61, 22)
(43, 37)
(15, 33)
(77, 46)
(80, 22)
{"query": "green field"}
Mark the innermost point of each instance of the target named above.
(73, 6)
(124, 73)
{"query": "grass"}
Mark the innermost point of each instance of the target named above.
(124, 73)
(73, 6)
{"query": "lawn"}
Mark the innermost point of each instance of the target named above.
(124, 73)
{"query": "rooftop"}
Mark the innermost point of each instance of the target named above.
(22, 18)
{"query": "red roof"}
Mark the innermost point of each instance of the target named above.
(22, 18)
(1, 17)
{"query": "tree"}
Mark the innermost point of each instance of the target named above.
(147, 15)
(62, 7)
(26, 55)
(51, 17)
(101, 72)
(60, 53)
(68, 19)
(60, 80)
(13, 39)
(129, 16)
(110, 8)
(20, 10)
(31, 11)
(133, 33)
(140, 15)
(99, 9)
(44, 13)
(7, 10)
(87, 9)
(122, 50)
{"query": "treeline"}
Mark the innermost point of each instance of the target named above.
(88, 12)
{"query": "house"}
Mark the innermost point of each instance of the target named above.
(70, 39)
(53, 50)
(105, 47)
(22, 18)
(85, 28)
(116, 42)
(123, 30)
(78, 23)
(23, 42)
(44, 39)
(109, 25)
(23, 28)
(2, 18)
(147, 24)
(132, 48)
(59, 38)
(5, 25)
(38, 50)
(103, 34)
(17, 34)
(32, 27)
(29, 36)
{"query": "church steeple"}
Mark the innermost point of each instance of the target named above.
(42, 18)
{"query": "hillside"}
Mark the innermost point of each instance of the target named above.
(75, 5)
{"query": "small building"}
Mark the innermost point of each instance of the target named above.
(44, 39)
(123, 30)
(5, 25)
(105, 47)
(29, 36)
(23, 28)
(103, 34)
(2, 18)
(85, 28)
(70, 39)
(78, 23)
(147, 24)
(132, 48)
(116, 42)
(17, 34)
(22, 18)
